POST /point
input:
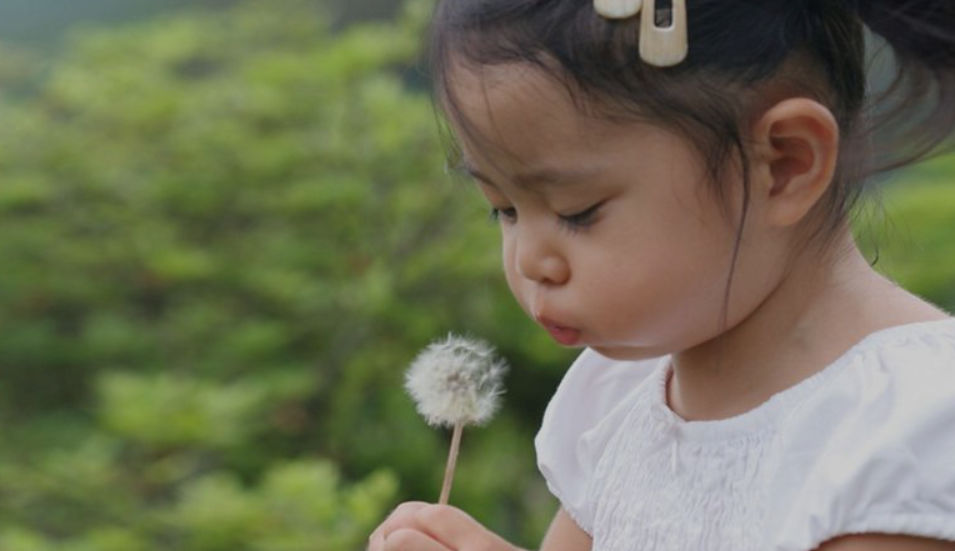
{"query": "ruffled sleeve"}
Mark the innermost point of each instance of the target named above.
(577, 423)
(882, 446)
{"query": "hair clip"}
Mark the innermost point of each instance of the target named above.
(664, 46)
(659, 46)
(618, 9)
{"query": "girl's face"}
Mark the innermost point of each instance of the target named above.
(611, 237)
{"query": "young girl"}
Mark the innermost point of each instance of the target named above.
(677, 204)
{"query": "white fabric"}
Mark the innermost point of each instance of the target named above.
(865, 446)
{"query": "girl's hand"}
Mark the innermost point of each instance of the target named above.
(419, 526)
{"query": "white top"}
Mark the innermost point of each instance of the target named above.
(865, 446)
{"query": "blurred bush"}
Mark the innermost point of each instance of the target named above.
(223, 236)
(912, 238)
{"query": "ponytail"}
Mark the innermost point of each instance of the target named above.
(919, 30)
(914, 116)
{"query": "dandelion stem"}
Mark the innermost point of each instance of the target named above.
(452, 461)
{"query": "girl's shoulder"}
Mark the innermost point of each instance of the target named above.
(594, 393)
(594, 385)
(872, 447)
(915, 361)
(896, 374)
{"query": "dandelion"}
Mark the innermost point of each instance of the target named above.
(455, 382)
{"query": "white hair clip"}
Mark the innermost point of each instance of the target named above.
(618, 9)
(664, 46)
(659, 46)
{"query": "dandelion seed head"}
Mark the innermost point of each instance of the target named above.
(456, 380)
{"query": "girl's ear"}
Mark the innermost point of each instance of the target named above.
(797, 147)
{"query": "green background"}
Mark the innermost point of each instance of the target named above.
(225, 230)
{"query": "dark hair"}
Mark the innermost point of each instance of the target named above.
(815, 48)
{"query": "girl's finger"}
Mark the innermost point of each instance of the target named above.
(456, 530)
(376, 542)
(405, 539)
(401, 517)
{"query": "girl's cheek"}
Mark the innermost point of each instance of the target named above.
(514, 280)
(507, 253)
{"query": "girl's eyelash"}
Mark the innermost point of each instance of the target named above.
(580, 219)
(575, 222)
(497, 213)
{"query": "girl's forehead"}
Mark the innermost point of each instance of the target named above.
(520, 111)
(513, 122)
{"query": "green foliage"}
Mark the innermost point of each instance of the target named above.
(224, 236)
(911, 236)
(299, 506)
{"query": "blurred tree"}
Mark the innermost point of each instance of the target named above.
(224, 235)
(909, 232)
(44, 23)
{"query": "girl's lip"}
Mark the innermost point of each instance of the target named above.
(567, 336)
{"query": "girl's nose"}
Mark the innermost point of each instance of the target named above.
(540, 263)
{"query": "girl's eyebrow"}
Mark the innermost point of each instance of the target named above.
(544, 176)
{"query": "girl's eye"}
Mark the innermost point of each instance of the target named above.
(505, 214)
(581, 219)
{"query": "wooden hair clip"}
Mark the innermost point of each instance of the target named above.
(618, 9)
(663, 46)
(659, 46)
